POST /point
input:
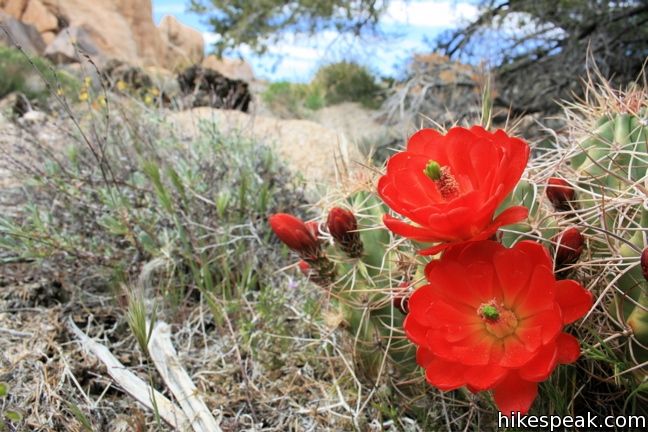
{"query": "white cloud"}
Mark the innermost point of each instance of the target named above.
(428, 13)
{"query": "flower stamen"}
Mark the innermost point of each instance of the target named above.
(445, 182)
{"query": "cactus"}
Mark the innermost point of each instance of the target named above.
(604, 161)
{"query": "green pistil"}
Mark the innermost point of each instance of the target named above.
(489, 312)
(432, 170)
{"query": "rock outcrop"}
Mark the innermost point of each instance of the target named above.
(231, 68)
(206, 87)
(186, 45)
(322, 155)
(15, 32)
(117, 29)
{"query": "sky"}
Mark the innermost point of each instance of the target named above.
(407, 25)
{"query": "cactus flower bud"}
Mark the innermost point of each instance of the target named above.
(569, 246)
(560, 193)
(644, 263)
(400, 299)
(304, 268)
(343, 227)
(295, 234)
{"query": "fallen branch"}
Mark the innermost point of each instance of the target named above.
(178, 380)
(133, 385)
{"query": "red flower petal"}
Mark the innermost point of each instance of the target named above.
(424, 141)
(424, 357)
(568, 348)
(515, 353)
(445, 375)
(574, 300)
(550, 321)
(541, 366)
(480, 378)
(448, 279)
(540, 294)
(414, 330)
(410, 231)
(513, 271)
(513, 394)
(536, 252)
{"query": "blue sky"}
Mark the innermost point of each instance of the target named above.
(407, 24)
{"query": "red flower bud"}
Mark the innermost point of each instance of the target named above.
(313, 227)
(304, 268)
(295, 234)
(400, 300)
(560, 193)
(343, 227)
(644, 263)
(569, 246)
(340, 222)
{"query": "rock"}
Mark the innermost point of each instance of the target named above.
(322, 155)
(119, 29)
(15, 8)
(231, 68)
(24, 35)
(39, 16)
(15, 104)
(32, 118)
(183, 40)
(134, 77)
(206, 87)
(70, 45)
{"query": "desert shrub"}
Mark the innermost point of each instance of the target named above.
(348, 82)
(31, 76)
(288, 99)
(145, 206)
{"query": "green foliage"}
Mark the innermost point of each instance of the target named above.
(333, 84)
(169, 219)
(259, 23)
(31, 76)
(348, 82)
(293, 99)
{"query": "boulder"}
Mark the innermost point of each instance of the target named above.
(21, 34)
(231, 68)
(118, 29)
(39, 16)
(322, 155)
(205, 87)
(182, 40)
(71, 44)
(15, 8)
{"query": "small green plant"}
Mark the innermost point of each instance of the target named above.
(7, 415)
(32, 76)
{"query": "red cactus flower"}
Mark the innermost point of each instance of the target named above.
(343, 227)
(560, 193)
(569, 247)
(491, 318)
(644, 263)
(451, 185)
(295, 234)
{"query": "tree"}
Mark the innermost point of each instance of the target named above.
(539, 48)
(259, 23)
